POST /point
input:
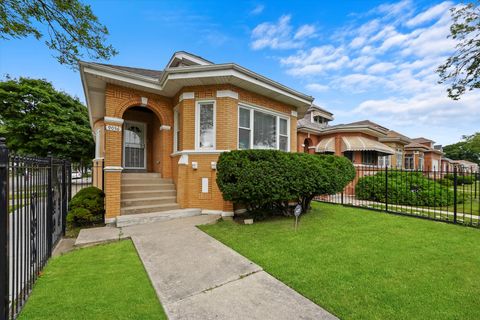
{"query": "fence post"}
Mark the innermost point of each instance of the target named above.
(4, 231)
(455, 194)
(386, 188)
(64, 197)
(49, 217)
(69, 177)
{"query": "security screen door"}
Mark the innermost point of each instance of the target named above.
(134, 145)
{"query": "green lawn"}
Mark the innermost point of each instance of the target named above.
(360, 264)
(101, 282)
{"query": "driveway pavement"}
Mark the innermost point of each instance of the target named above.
(197, 277)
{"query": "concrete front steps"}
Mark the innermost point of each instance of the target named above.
(147, 193)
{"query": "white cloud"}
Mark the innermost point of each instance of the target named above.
(316, 60)
(389, 55)
(381, 67)
(430, 14)
(258, 9)
(280, 34)
(304, 31)
(425, 109)
(317, 87)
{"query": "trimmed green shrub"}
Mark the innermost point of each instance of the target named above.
(446, 182)
(268, 180)
(405, 188)
(461, 179)
(86, 207)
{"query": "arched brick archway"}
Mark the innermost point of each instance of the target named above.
(158, 135)
(307, 144)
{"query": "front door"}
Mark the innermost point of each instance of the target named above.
(134, 146)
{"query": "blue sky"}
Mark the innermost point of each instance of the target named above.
(360, 59)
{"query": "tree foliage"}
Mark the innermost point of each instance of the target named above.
(71, 28)
(37, 119)
(462, 69)
(468, 149)
(267, 181)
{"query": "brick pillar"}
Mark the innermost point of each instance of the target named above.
(338, 145)
(113, 167)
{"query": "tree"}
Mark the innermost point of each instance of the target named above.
(72, 28)
(37, 119)
(462, 69)
(468, 149)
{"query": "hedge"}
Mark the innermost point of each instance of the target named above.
(86, 207)
(405, 188)
(267, 180)
(461, 179)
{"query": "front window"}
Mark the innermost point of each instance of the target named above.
(369, 157)
(409, 162)
(399, 156)
(206, 125)
(262, 130)
(420, 163)
(348, 155)
(384, 161)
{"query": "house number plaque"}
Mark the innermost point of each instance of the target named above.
(113, 128)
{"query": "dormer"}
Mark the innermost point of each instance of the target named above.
(320, 116)
(185, 59)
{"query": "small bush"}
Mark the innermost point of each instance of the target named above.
(86, 207)
(446, 182)
(461, 179)
(405, 188)
(268, 180)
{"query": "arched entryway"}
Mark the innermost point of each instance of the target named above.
(141, 143)
(307, 143)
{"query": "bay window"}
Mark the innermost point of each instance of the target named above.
(262, 130)
(205, 126)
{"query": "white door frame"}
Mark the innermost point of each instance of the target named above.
(144, 125)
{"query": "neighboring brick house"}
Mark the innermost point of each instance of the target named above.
(358, 141)
(465, 166)
(423, 155)
(160, 132)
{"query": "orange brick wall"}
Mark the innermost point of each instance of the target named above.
(160, 142)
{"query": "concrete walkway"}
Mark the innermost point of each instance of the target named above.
(197, 277)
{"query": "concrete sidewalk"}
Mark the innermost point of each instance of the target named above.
(197, 277)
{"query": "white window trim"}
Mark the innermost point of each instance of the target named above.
(197, 124)
(278, 115)
(175, 128)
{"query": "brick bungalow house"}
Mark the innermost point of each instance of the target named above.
(160, 132)
(359, 141)
(421, 154)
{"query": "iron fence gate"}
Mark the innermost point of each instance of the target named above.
(34, 197)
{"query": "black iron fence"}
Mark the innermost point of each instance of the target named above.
(451, 196)
(34, 197)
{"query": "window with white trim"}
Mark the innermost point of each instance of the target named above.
(420, 162)
(262, 130)
(205, 125)
(384, 161)
(409, 165)
(399, 156)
